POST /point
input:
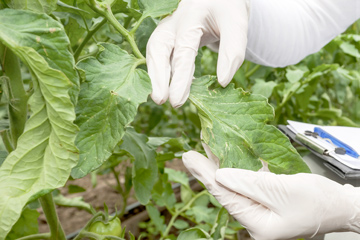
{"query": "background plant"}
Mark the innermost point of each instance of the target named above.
(74, 92)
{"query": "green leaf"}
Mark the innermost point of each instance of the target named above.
(26, 225)
(303, 97)
(144, 174)
(220, 225)
(327, 113)
(75, 189)
(108, 101)
(46, 36)
(177, 176)
(119, 6)
(163, 157)
(202, 201)
(186, 194)
(39, 6)
(157, 8)
(354, 37)
(178, 144)
(201, 213)
(3, 155)
(62, 6)
(181, 224)
(155, 142)
(66, 6)
(194, 234)
(46, 151)
(234, 126)
(128, 179)
(156, 218)
(350, 49)
(143, 33)
(263, 88)
(162, 192)
(344, 121)
(77, 202)
(74, 30)
(294, 75)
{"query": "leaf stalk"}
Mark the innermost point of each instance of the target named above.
(105, 10)
(183, 209)
(36, 236)
(14, 89)
(48, 205)
(137, 25)
(88, 36)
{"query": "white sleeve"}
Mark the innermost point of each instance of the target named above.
(283, 32)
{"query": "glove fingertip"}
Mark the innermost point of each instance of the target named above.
(177, 104)
(189, 155)
(223, 80)
(177, 99)
(159, 98)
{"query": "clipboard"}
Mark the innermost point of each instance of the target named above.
(331, 163)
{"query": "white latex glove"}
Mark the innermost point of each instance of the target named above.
(279, 206)
(283, 32)
(274, 33)
(173, 46)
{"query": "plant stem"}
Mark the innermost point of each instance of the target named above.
(129, 38)
(137, 25)
(282, 104)
(119, 188)
(123, 207)
(87, 38)
(36, 236)
(252, 71)
(183, 209)
(17, 96)
(123, 193)
(47, 203)
(105, 10)
(127, 21)
(5, 135)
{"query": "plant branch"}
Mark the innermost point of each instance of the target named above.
(183, 209)
(36, 236)
(124, 194)
(105, 10)
(56, 231)
(14, 89)
(252, 71)
(119, 188)
(137, 25)
(130, 39)
(87, 38)
(5, 135)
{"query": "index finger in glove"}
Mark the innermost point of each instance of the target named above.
(204, 170)
(233, 41)
(158, 53)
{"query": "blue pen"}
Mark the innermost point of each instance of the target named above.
(349, 150)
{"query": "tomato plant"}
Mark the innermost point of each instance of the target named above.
(74, 102)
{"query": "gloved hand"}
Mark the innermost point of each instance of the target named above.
(274, 206)
(173, 46)
(273, 33)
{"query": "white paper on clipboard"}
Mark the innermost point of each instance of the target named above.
(348, 135)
